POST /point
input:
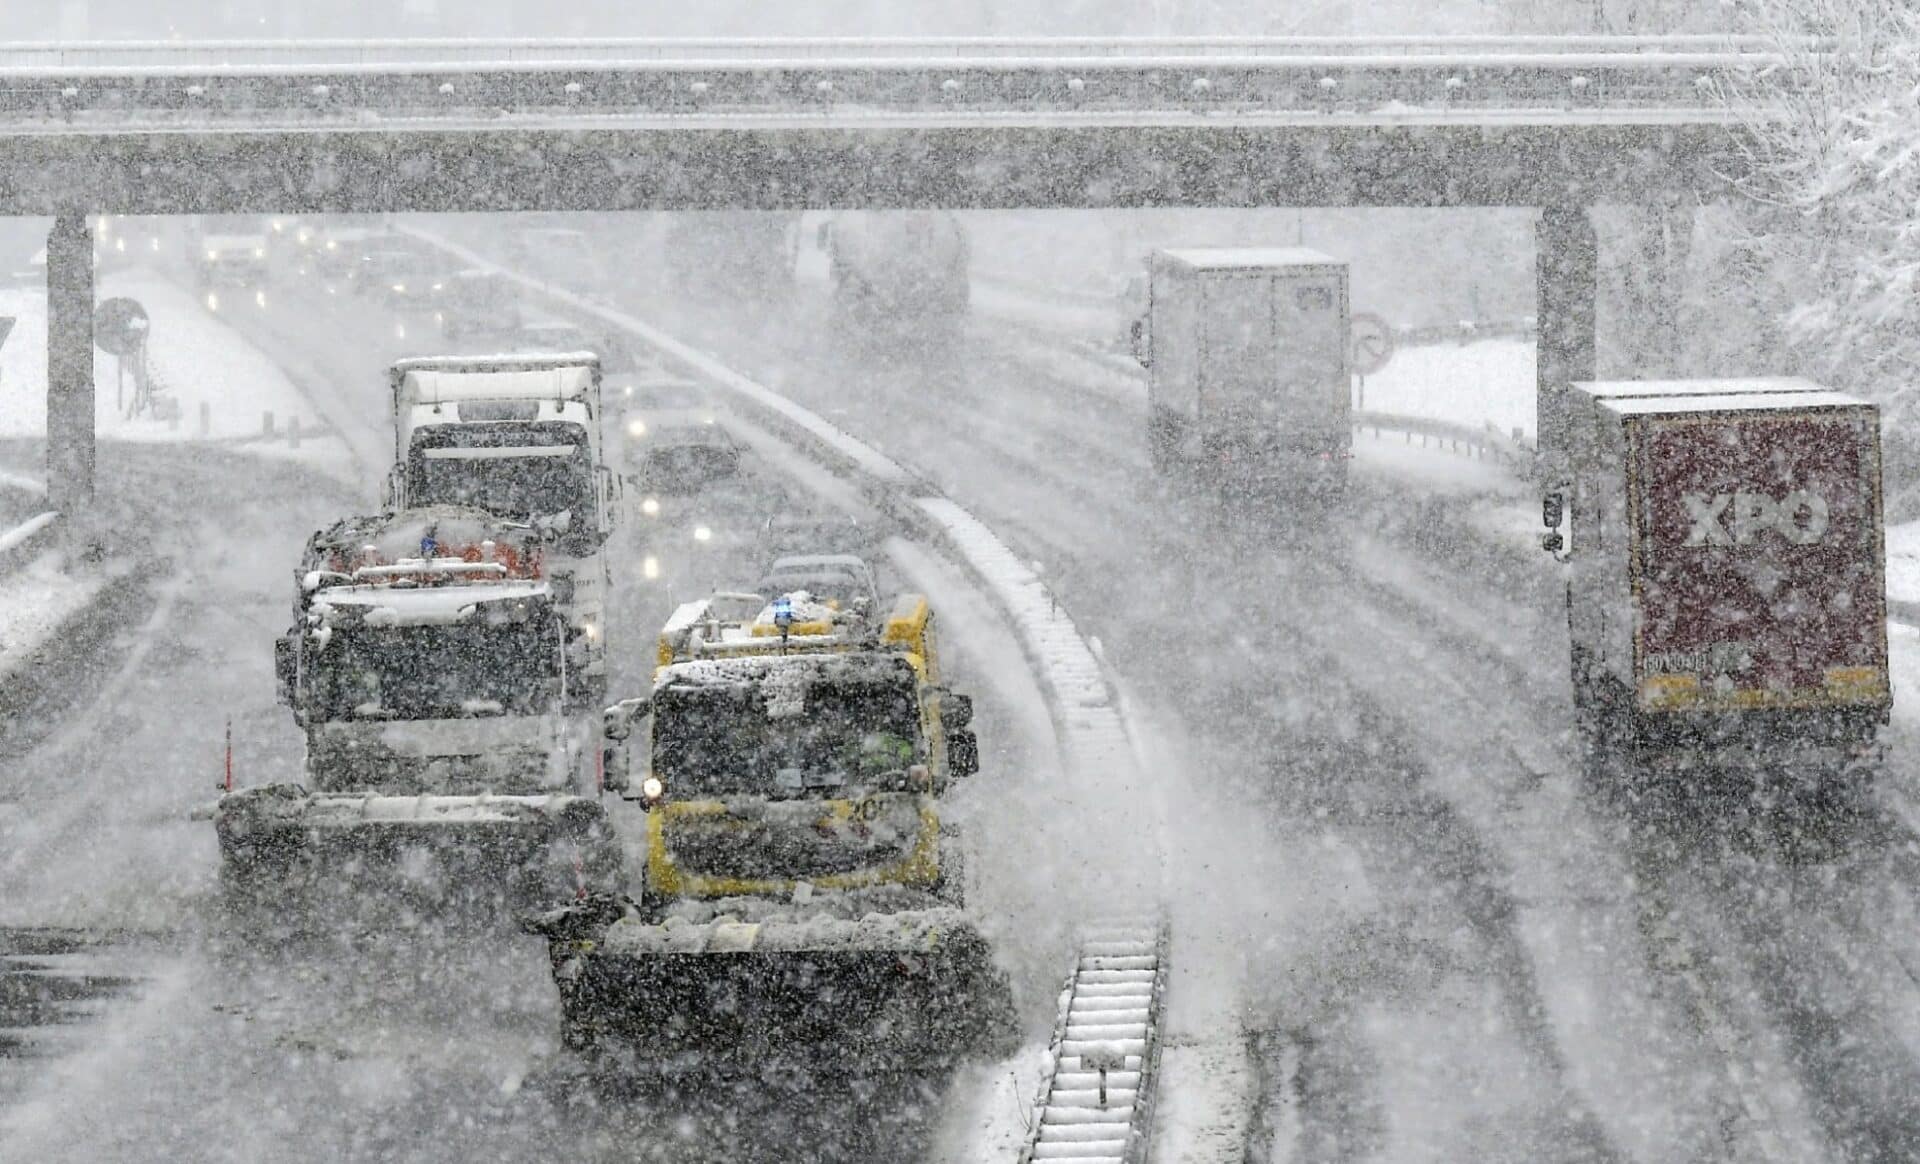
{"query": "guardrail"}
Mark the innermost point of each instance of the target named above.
(1513, 450)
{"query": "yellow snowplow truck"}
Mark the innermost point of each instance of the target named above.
(802, 900)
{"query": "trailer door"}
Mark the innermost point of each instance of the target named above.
(1236, 385)
(1310, 377)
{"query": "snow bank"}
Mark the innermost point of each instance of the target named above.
(1472, 383)
(195, 357)
(35, 601)
(1903, 562)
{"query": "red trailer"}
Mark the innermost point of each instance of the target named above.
(1727, 592)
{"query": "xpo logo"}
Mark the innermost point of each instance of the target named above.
(1738, 519)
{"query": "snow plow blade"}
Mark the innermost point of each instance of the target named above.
(529, 851)
(915, 991)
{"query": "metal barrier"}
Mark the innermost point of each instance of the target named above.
(1384, 78)
(1514, 450)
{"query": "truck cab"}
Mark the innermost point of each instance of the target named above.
(518, 437)
(1248, 353)
(809, 712)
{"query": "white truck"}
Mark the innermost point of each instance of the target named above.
(518, 436)
(898, 274)
(1247, 353)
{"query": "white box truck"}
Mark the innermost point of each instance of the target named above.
(1248, 356)
(518, 436)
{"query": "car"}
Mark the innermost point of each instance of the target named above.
(682, 458)
(396, 276)
(791, 534)
(474, 302)
(555, 336)
(844, 581)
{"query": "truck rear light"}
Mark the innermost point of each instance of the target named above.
(1669, 691)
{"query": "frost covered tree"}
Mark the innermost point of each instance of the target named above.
(1829, 178)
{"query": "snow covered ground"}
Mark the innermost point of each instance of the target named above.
(1493, 380)
(197, 361)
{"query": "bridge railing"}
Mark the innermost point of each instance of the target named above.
(144, 54)
(114, 85)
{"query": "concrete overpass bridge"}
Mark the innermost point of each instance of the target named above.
(1555, 123)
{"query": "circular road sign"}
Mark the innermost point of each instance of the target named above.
(1372, 343)
(119, 326)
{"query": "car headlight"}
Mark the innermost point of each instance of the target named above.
(259, 252)
(702, 534)
(332, 245)
(652, 789)
(399, 288)
(213, 256)
(650, 507)
(636, 428)
(438, 287)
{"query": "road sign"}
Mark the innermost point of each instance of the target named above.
(1372, 343)
(119, 327)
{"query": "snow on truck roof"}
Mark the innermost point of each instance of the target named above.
(427, 606)
(1723, 386)
(1248, 258)
(441, 379)
(1790, 401)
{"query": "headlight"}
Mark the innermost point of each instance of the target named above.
(702, 534)
(650, 507)
(332, 245)
(213, 256)
(652, 789)
(636, 428)
(649, 567)
(259, 252)
(399, 288)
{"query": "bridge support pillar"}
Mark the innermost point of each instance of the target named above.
(1566, 275)
(70, 433)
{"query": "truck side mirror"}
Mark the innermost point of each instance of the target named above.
(1553, 512)
(956, 709)
(963, 753)
(286, 667)
(616, 749)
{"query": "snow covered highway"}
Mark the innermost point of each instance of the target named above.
(1404, 924)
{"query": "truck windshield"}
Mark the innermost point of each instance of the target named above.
(719, 740)
(435, 672)
(515, 470)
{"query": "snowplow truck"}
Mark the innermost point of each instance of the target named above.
(1249, 383)
(802, 901)
(428, 669)
(1726, 593)
(519, 436)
